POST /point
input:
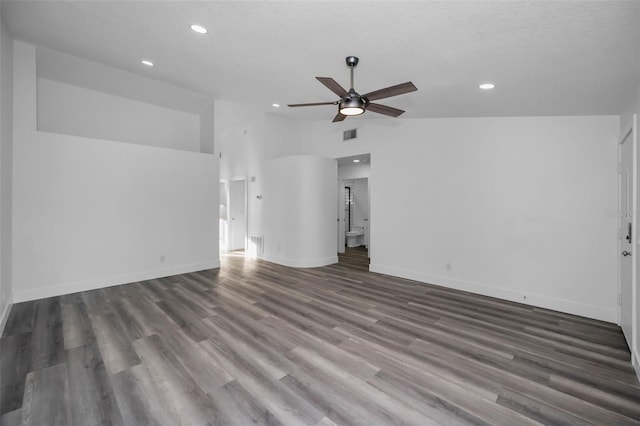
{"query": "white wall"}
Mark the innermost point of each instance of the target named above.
(76, 111)
(206, 119)
(6, 153)
(238, 134)
(80, 72)
(90, 213)
(516, 205)
(354, 171)
(246, 138)
(300, 203)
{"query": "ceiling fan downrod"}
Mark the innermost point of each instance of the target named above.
(352, 61)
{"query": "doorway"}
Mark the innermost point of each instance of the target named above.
(237, 215)
(627, 235)
(233, 215)
(354, 224)
(223, 217)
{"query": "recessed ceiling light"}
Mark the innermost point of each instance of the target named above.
(487, 86)
(147, 63)
(199, 29)
(356, 161)
(276, 105)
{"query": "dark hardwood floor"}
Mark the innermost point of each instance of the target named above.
(257, 343)
(354, 258)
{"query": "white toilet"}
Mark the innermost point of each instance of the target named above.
(354, 237)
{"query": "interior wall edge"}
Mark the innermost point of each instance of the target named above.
(300, 263)
(5, 314)
(635, 361)
(102, 282)
(532, 299)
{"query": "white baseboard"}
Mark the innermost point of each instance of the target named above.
(532, 299)
(5, 314)
(301, 263)
(93, 284)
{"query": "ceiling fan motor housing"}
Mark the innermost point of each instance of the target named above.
(356, 102)
(353, 105)
(352, 61)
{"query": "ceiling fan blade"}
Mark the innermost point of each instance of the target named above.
(388, 92)
(333, 86)
(339, 117)
(313, 104)
(384, 109)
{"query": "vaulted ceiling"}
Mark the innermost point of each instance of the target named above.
(545, 57)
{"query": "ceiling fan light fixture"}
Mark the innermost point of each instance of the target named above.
(352, 106)
(351, 111)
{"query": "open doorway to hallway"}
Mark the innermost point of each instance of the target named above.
(233, 216)
(354, 222)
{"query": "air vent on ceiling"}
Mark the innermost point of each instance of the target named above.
(349, 134)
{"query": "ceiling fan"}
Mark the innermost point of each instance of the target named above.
(352, 103)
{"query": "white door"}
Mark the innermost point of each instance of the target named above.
(626, 232)
(236, 214)
(341, 226)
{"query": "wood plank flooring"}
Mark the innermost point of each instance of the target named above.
(354, 258)
(257, 343)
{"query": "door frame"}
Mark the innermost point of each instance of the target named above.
(341, 208)
(629, 131)
(244, 178)
(635, 317)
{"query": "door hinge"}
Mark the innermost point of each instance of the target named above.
(619, 234)
(620, 168)
(619, 299)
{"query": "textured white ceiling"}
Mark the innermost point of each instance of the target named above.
(546, 57)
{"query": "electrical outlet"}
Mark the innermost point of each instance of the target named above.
(162, 259)
(448, 266)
